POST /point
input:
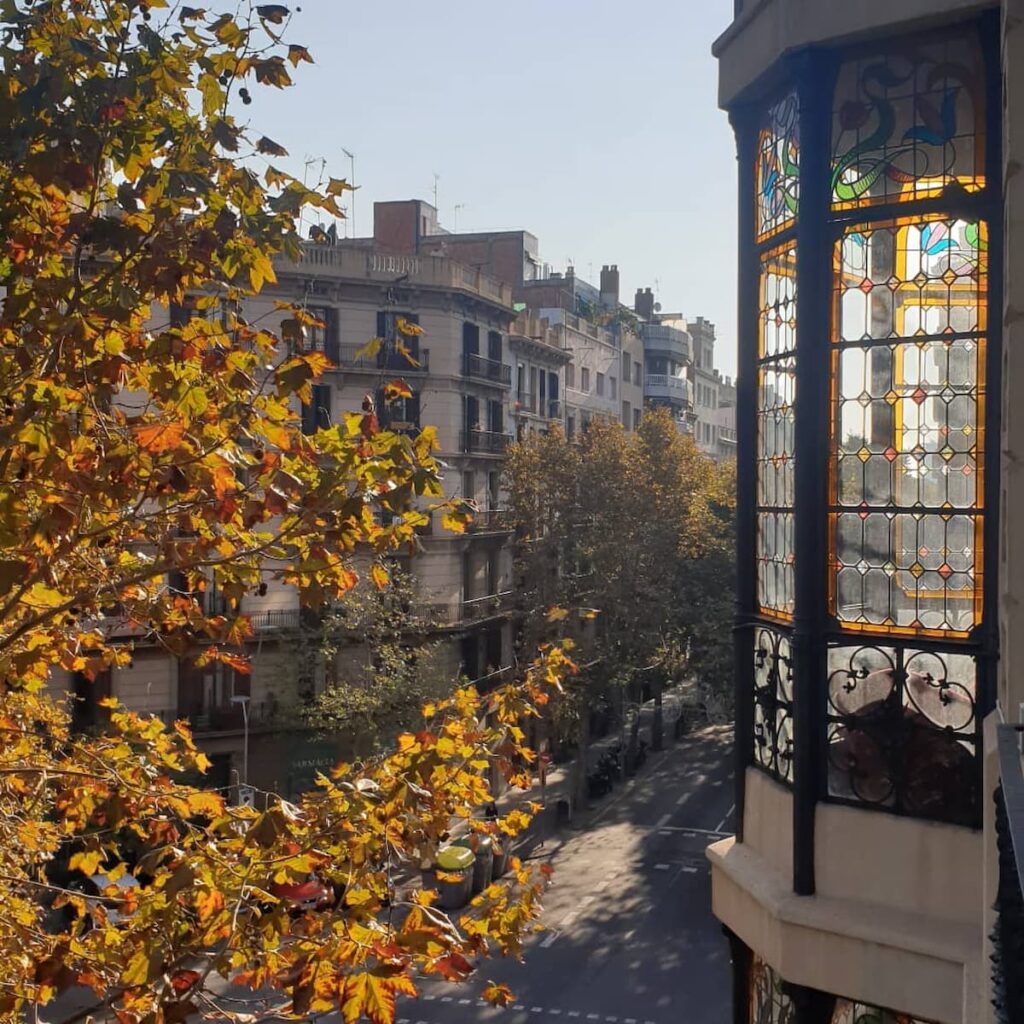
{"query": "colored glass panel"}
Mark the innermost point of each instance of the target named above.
(908, 374)
(908, 122)
(848, 1012)
(769, 1004)
(773, 704)
(778, 167)
(775, 432)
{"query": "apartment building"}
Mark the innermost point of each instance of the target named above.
(875, 874)
(539, 362)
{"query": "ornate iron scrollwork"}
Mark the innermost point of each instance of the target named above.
(773, 704)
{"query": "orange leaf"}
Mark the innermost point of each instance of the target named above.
(380, 576)
(498, 995)
(160, 437)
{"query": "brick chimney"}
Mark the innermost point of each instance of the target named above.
(610, 287)
(643, 304)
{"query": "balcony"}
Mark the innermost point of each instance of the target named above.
(276, 619)
(390, 362)
(1008, 934)
(495, 520)
(661, 385)
(478, 608)
(484, 442)
(349, 262)
(526, 402)
(667, 341)
(490, 371)
(555, 409)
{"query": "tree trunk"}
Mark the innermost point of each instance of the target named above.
(578, 786)
(658, 721)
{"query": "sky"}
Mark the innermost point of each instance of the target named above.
(592, 124)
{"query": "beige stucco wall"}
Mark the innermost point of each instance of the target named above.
(767, 29)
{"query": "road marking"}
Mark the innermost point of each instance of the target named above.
(593, 1016)
(690, 869)
(549, 940)
(446, 999)
(662, 867)
(691, 833)
(726, 818)
(403, 1020)
(519, 1006)
(630, 1020)
(430, 999)
(682, 800)
(612, 1020)
(664, 832)
(663, 820)
(555, 1013)
(574, 1013)
(536, 1009)
(463, 1002)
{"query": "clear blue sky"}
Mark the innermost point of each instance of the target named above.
(591, 123)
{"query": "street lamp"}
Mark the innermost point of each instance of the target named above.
(244, 701)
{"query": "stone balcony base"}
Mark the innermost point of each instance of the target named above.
(921, 965)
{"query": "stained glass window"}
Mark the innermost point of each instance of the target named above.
(778, 168)
(902, 730)
(848, 1012)
(769, 1004)
(908, 387)
(908, 122)
(773, 704)
(775, 411)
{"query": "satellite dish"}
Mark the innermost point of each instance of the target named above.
(657, 307)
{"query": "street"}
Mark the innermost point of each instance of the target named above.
(631, 938)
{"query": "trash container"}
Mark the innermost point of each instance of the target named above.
(501, 852)
(456, 864)
(483, 866)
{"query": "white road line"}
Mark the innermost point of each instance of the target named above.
(612, 1020)
(593, 1016)
(662, 867)
(446, 999)
(519, 1006)
(573, 1013)
(430, 999)
(403, 1020)
(555, 1013)
(463, 1002)
(663, 820)
(726, 818)
(630, 1020)
(664, 832)
(536, 1009)
(549, 940)
(682, 800)
(692, 833)
(690, 869)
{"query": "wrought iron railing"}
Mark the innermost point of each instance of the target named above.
(526, 402)
(1008, 934)
(387, 361)
(490, 370)
(554, 409)
(484, 607)
(276, 618)
(487, 441)
(492, 520)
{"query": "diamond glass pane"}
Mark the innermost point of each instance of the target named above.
(775, 431)
(908, 426)
(908, 122)
(902, 731)
(773, 704)
(778, 167)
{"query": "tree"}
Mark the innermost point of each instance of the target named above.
(150, 448)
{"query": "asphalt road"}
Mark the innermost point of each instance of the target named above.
(631, 938)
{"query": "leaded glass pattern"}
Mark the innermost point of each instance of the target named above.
(775, 431)
(769, 1004)
(846, 1011)
(773, 704)
(908, 122)
(778, 167)
(902, 731)
(908, 391)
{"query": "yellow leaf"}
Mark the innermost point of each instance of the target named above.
(369, 350)
(380, 576)
(160, 437)
(557, 614)
(498, 994)
(208, 903)
(88, 862)
(405, 327)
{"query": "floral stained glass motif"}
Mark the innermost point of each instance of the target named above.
(775, 432)
(909, 122)
(778, 168)
(908, 392)
(773, 704)
(848, 1012)
(769, 1004)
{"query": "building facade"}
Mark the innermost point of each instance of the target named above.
(879, 663)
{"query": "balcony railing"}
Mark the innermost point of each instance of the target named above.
(477, 608)
(490, 370)
(494, 520)
(664, 382)
(526, 402)
(554, 409)
(1008, 934)
(488, 442)
(276, 618)
(389, 362)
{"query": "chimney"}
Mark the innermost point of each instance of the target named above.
(610, 287)
(643, 304)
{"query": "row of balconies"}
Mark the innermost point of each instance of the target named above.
(549, 408)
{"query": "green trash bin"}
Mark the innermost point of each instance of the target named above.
(452, 861)
(483, 866)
